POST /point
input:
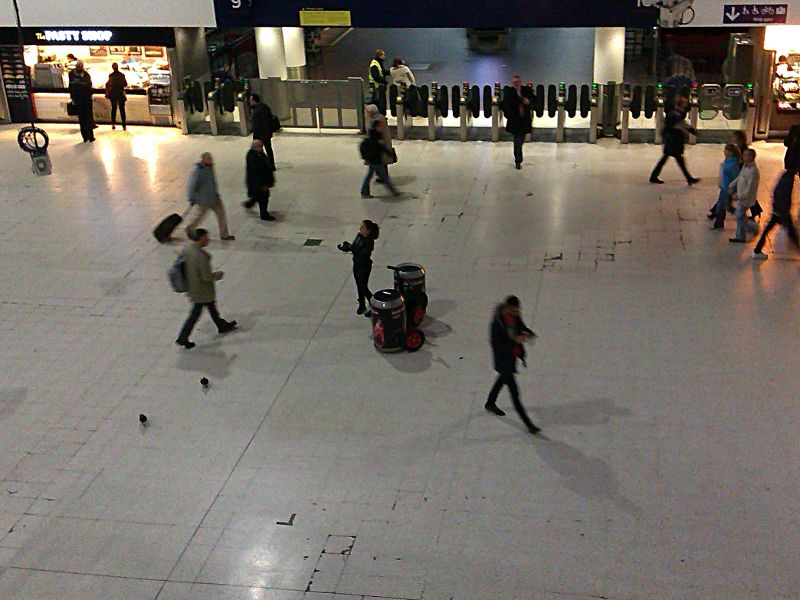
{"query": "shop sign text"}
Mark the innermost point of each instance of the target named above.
(74, 35)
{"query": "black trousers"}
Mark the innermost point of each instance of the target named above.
(86, 121)
(379, 98)
(268, 149)
(518, 141)
(191, 321)
(117, 102)
(361, 275)
(777, 220)
(509, 380)
(262, 198)
(660, 165)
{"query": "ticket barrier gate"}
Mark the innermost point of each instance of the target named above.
(191, 107)
(659, 98)
(497, 111)
(220, 107)
(594, 111)
(561, 112)
(245, 114)
(464, 111)
(438, 109)
(740, 105)
(408, 102)
(626, 98)
(694, 111)
(636, 101)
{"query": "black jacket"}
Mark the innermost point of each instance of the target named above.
(80, 89)
(675, 132)
(259, 173)
(374, 148)
(792, 143)
(517, 123)
(503, 344)
(362, 248)
(115, 86)
(262, 122)
(782, 194)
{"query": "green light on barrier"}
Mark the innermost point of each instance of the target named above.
(660, 86)
(749, 86)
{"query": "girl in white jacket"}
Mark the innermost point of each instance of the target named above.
(401, 73)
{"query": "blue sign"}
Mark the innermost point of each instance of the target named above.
(442, 13)
(736, 14)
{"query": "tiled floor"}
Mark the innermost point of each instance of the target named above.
(662, 377)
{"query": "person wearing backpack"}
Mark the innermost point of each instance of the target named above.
(200, 287)
(264, 125)
(377, 156)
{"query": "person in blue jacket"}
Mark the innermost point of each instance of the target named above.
(728, 171)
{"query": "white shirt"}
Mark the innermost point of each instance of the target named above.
(746, 185)
(402, 74)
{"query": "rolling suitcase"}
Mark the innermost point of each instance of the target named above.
(163, 231)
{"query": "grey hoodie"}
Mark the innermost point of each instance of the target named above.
(202, 187)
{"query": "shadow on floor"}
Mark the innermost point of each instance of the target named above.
(583, 412)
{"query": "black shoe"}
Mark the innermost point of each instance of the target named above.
(124, 128)
(246, 205)
(737, 241)
(186, 344)
(655, 180)
(368, 314)
(113, 127)
(91, 139)
(229, 326)
(518, 166)
(492, 408)
(693, 180)
(268, 218)
(533, 429)
(361, 310)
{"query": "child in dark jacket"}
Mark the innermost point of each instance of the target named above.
(781, 213)
(508, 332)
(361, 248)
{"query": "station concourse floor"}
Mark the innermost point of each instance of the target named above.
(662, 377)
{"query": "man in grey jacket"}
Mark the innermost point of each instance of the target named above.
(204, 196)
(200, 285)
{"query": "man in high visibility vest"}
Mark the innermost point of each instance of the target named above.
(378, 81)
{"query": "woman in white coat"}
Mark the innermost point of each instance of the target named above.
(401, 73)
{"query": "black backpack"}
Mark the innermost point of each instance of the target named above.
(368, 148)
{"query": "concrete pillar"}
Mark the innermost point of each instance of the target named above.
(609, 54)
(294, 45)
(270, 52)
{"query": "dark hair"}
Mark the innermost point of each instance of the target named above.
(373, 229)
(783, 58)
(512, 301)
(378, 53)
(750, 150)
(733, 149)
(198, 233)
(397, 61)
(255, 97)
(114, 66)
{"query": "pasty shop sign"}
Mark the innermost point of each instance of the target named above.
(91, 36)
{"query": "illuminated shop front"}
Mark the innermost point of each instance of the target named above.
(142, 54)
(783, 42)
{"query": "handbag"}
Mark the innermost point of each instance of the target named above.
(275, 123)
(72, 109)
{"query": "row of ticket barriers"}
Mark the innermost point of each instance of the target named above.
(630, 112)
(633, 113)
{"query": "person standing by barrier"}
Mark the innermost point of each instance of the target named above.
(728, 171)
(260, 178)
(204, 196)
(781, 213)
(676, 132)
(378, 81)
(361, 249)
(80, 94)
(519, 120)
(200, 284)
(262, 120)
(744, 189)
(507, 333)
(115, 92)
(401, 74)
(377, 156)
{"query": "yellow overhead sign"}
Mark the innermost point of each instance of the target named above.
(322, 18)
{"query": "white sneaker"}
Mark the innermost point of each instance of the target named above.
(759, 256)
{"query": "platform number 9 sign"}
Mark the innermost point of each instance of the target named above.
(236, 4)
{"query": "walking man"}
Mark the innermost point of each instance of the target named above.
(203, 195)
(519, 123)
(744, 189)
(262, 119)
(115, 92)
(80, 94)
(781, 213)
(260, 178)
(675, 134)
(508, 332)
(200, 282)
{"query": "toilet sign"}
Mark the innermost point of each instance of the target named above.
(761, 14)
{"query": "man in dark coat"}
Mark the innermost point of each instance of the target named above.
(80, 94)
(115, 92)
(674, 135)
(791, 161)
(261, 117)
(781, 213)
(517, 110)
(508, 332)
(260, 178)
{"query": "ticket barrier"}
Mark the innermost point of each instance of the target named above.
(694, 111)
(659, 98)
(594, 111)
(740, 106)
(464, 111)
(245, 113)
(498, 119)
(438, 109)
(191, 107)
(561, 112)
(220, 107)
(626, 99)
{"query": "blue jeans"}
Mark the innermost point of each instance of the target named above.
(721, 207)
(743, 224)
(383, 173)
